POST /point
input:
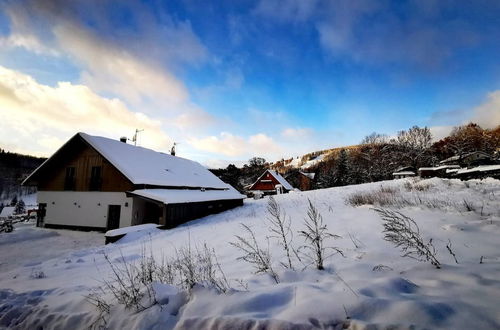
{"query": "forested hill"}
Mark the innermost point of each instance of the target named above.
(14, 168)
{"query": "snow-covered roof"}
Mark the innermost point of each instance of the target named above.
(442, 167)
(404, 173)
(7, 211)
(175, 196)
(145, 166)
(482, 168)
(281, 180)
(458, 157)
(309, 175)
(130, 229)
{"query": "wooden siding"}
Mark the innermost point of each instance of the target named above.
(177, 214)
(82, 157)
(266, 182)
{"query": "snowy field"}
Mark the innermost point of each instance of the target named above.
(46, 276)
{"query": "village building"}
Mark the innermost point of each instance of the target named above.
(270, 183)
(479, 172)
(96, 183)
(470, 159)
(306, 181)
(443, 171)
(404, 172)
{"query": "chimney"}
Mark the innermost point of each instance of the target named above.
(123, 139)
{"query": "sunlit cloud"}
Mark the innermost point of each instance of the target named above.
(42, 116)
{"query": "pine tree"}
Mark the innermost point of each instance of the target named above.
(20, 207)
(341, 174)
(13, 202)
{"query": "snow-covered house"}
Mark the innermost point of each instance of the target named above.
(404, 172)
(306, 180)
(97, 183)
(469, 159)
(443, 171)
(270, 183)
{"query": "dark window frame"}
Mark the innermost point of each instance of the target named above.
(70, 178)
(95, 181)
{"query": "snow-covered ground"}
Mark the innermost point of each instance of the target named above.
(46, 274)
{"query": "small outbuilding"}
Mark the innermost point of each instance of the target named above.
(404, 172)
(96, 183)
(270, 183)
(479, 172)
(443, 171)
(470, 159)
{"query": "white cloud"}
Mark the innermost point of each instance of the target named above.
(41, 117)
(114, 70)
(487, 115)
(296, 133)
(237, 146)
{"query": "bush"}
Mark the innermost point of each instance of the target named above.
(253, 254)
(315, 234)
(405, 234)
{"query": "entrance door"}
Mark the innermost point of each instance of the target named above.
(42, 210)
(113, 217)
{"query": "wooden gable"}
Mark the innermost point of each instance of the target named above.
(266, 182)
(80, 156)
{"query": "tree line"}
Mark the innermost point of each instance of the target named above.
(375, 158)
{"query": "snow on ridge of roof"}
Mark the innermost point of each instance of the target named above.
(145, 166)
(175, 196)
(281, 180)
(309, 175)
(404, 173)
(482, 168)
(442, 167)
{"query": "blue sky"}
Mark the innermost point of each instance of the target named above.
(229, 80)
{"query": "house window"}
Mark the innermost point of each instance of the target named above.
(95, 178)
(69, 180)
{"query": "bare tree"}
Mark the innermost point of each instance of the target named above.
(415, 145)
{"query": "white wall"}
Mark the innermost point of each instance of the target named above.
(84, 208)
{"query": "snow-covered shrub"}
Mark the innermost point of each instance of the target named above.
(415, 185)
(315, 235)
(405, 234)
(132, 284)
(377, 197)
(200, 267)
(254, 254)
(279, 226)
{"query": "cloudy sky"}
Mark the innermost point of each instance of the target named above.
(229, 80)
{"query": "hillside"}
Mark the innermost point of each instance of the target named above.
(14, 168)
(369, 285)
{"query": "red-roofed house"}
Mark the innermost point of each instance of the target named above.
(270, 183)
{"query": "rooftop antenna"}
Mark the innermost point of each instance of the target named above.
(134, 138)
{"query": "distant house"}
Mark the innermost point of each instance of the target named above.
(270, 183)
(96, 183)
(443, 171)
(404, 172)
(306, 180)
(479, 172)
(475, 158)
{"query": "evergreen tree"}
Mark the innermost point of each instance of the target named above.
(13, 202)
(20, 207)
(341, 173)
